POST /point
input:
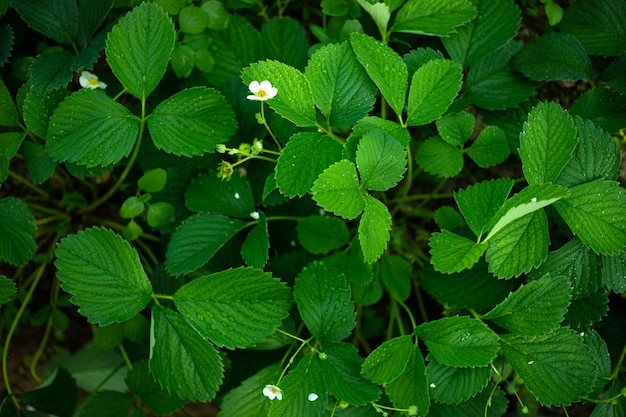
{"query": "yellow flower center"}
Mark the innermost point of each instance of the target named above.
(261, 93)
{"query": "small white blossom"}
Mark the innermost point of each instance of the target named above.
(312, 397)
(237, 196)
(91, 81)
(255, 215)
(262, 91)
(533, 200)
(272, 391)
(432, 385)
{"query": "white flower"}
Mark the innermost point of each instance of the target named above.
(272, 391)
(255, 215)
(312, 397)
(262, 91)
(91, 81)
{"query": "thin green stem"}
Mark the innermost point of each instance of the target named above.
(28, 184)
(54, 296)
(618, 366)
(267, 127)
(408, 312)
(129, 363)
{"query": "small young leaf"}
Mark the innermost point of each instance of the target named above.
(143, 385)
(546, 143)
(254, 249)
(132, 207)
(57, 395)
(304, 391)
(453, 253)
(91, 129)
(595, 213)
(388, 360)
(411, 387)
(433, 88)
(374, 228)
(456, 129)
(7, 289)
(192, 122)
(138, 48)
(181, 360)
(248, 298)
(104, 275)
(17, 231)
(197, 239)
(433, 17)
(193, 20)
(459, 341)
(451, 385)
(518, 313)
(490, 147)
(385, 68)
(153, 181)
(321, 234)
(337, 190)
(324, 302)
(556, 367)
(210, 194)
(304, 158)
(160, 214)
(247, 398)
(480, 202)
(439, 157)
(381, 161)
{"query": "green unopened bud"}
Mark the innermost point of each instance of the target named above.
(244, 148)
(323, 356)
(412, 410)
(221, 148)
(257, 147)
(225, 171)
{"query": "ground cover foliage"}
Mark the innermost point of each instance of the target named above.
(335, 208)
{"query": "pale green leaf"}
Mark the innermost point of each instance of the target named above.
(546, 143)
(89, 128)
(453, 253)
(440, 158)
(433, 89)
(160, 214)
(298, 165)
(480, 202)
(456, 128)
(132, 207)
(381, 161)
(433, 17)
(7, 289)
(497, 23)
(450, 385)
(374, 228)
(324, 301)
(17, 231)
(8, 112)
(103, 273)
(337, 190)
(304, 380)
(410, 389)
(294, 100)
(9, 145)
(255, 249)
(595, 213)
(342, 372)
(395, 272)
(153, 181)
(193, 20)
(388, 360)
(197, 239)
(385, 67)
(139, 47)
(234, 308)
(549, 295)
(321, 234)
(38, 163)
(519, 246)
(490, 147)
(192, 122)
(341, 88)
(247, 399)
(556, 367)
(459, 341)
(57, 20)
(182, 361)
(143, 385)
(231, 198)
(555, 56)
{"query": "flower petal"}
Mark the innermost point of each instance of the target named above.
(254, 87)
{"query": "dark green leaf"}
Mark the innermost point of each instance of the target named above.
(51, 70)
(17, 231)
(456, 128)
(321, 234)
(588, 309)
(284, 40)
(490, 147)
(231, 198)
(299, 387)
(395, 272)
(6, 39)
(8, 112)
(433, 17)
(57, 395)
(614, 271)
(91, 14)
(39, 165)
(374, 228)
(337, 190)
(439, 157)
(480, 202)
(255, 249)
(488, 403)
(9, 144)
(451, 385)
(453, 253)
(57, 20)
(142, 384)
(246, 399)
(410, 389)
(388, 360)
(604, 107)
(381, 160)
(7, 289)
(106, 403)
(38, 108)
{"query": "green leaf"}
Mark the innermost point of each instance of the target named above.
(299, 166)
(6, 38)
(255, 249)
(181, 360)
(9, 144)
(453, 253)
(595, 213)
(489, 403)
(17, 231)
(90, 18)
(341, 370)
(456, 128)
(384, 66)
(595, 157)
(381, 160)
(197, 239)
(192, 122)
(597, 25)
(160, 214)
(138, 48)
(370, 123)
(7, 289)
(132, 207)
(142, 384)
(439, 157)
(380, 13)
(519, 246)
(57, 395)
(106, 403)
(555, 56)
(246, 399)
(549, 295)
(588, 309)
(58, 20)
(234, 308)
(433, 88)
(153, 181)
(321, 234)
(448, 218)
(410, 389)
(490, 147)
(39, 165)
(91, 129)
(284, 40)
(480, 202)
(613, 272)
(374, 228)
(323, 299)
(604, 107)
(418, 57)
(50, 70)
(395, 272)
(615, 74)
(294, 100)
(104, 274)
(433, 17)
(451, 385)
(38, 108)
(299, 384)
(557, 367)
(341, 88)
(495, 25)
(8, 112)
(193, 20)
(389, 360)
(231, 198)
(459, 341)
(337, 190)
